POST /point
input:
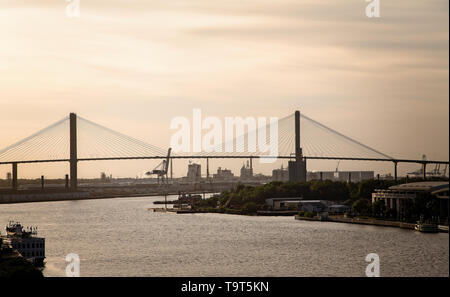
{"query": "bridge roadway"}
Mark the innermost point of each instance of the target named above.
(233, 157)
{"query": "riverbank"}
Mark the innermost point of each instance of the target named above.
(366, 221)
(334, 219)
(68, 196)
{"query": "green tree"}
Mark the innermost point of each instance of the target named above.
(329, 190)
(378, 208)
(249, 207)
(361, 207)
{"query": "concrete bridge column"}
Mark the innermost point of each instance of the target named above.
(73, 152)
(171, 168)
(395, 171)
(297, 168)
(14, 176)
(67, 182)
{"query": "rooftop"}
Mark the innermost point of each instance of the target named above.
(428, 186)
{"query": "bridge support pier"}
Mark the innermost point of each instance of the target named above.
(14, 176)
(207, 167)
(67, 182)
(395, 171)
(171, 168)
(424, 171)
(73, 152)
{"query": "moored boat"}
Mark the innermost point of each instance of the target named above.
(426, 227)
(26, 242)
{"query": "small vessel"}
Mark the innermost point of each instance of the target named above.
(26, 242)
(426, 227)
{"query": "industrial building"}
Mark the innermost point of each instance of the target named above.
(343, 176)
(297, 203)
(280, 174)
(223, 174)
(194, 173)
(395, 197)
(246, 171)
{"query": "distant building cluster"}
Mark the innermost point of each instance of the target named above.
(343, 176)
(299, 203)
(194, 173)
(223, 174)
(104, 177)
(246, 171)
(280, 174)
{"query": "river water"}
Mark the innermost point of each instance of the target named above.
(120, 237)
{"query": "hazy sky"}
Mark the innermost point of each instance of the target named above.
(134, 65)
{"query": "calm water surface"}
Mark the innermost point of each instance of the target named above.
(120, 237)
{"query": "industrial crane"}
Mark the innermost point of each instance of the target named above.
(161, 169)
(336, 173)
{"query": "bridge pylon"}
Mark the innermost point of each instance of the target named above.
(297, 168)
(73, 152)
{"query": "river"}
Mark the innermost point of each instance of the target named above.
(120, 237)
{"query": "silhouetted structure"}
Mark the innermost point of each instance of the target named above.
(297, 168)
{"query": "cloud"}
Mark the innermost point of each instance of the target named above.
(147, 61)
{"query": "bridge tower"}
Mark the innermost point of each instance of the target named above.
(73, 152)
(297, 168)
(14, 176)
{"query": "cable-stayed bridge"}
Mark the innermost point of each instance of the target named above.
(75, 139)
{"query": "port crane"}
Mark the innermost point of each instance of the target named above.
(435, 172)
(161, 169)
(336, 172)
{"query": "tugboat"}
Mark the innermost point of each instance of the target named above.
(26, 242)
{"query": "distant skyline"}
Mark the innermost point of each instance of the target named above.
(134, 65)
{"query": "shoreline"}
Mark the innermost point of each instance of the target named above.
(368, 222)
(106, 196)
(358, 221)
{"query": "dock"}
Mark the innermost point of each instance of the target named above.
(172, 210)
